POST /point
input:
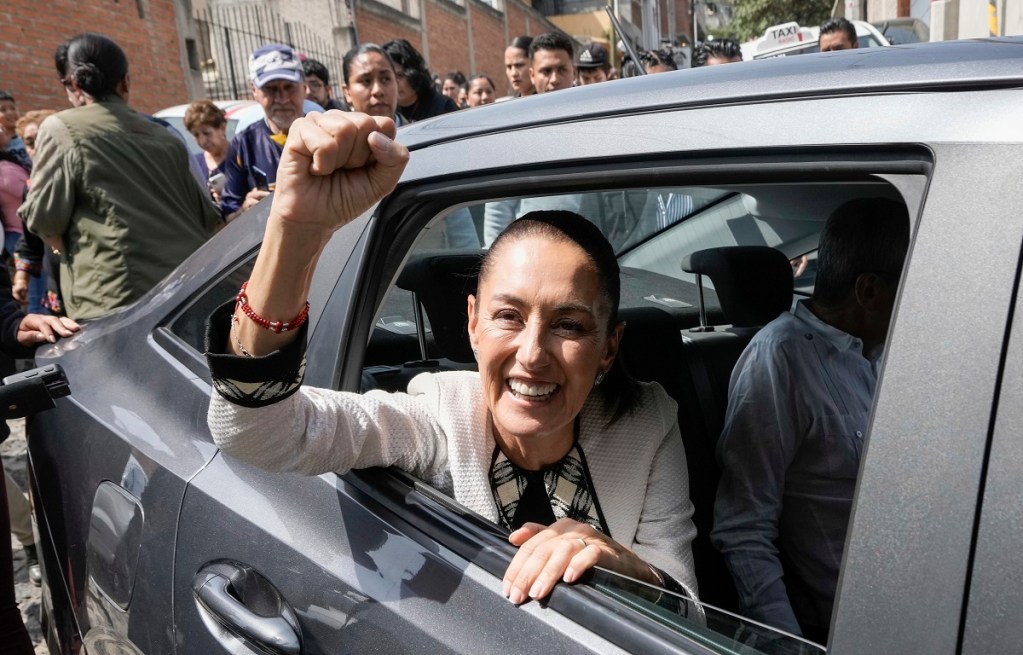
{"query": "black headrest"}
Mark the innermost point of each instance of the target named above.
(753, 283)
(651, 348)
(442, 280)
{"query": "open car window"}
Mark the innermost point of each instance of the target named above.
(421, 321)
(421, 327)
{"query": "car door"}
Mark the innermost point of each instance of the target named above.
(109, 468)
(372, 557)
(995, 587)
(281, 562)
(328, 564)
(914, 557)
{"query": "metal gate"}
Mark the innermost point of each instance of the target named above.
(229, 34)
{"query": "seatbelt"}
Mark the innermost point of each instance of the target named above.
(705, 396)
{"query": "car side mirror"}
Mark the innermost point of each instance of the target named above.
(32, 391)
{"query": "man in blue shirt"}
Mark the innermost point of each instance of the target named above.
(798, 404)
(278, 85)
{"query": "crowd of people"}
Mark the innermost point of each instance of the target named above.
(100, 202)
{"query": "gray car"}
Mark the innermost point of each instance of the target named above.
(154, 542)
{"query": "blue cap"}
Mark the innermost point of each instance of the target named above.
(274, 61)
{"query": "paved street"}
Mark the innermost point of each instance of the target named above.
(13, 451)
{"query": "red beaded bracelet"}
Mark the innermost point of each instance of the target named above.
(274, 326)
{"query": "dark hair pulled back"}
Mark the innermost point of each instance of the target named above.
(521, 43)
(94, 62)
(619, 389)
(358, 51)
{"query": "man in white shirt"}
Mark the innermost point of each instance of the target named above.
(798, 404)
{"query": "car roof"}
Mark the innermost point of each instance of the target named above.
(921, 67)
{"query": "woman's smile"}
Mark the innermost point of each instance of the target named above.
(532, 391)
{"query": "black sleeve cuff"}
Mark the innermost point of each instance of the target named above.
(681, 603)
(252, 381)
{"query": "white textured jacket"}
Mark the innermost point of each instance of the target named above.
(440, 432)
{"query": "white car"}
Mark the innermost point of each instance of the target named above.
(792, 39)
(240, 114)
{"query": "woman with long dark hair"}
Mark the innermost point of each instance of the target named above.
(516, 66)
(418, 98)
(550, 439)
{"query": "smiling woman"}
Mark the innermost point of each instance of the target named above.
(551, 439)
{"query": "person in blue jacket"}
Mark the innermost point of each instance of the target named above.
(278, 85)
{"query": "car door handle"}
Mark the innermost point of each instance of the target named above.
(245, 603)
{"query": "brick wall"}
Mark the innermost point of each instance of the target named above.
(518, 20)
(489, 42)
(32, 31)
(447, 41)
(377, 23)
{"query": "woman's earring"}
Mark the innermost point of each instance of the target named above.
(476, 354)
(600, 378)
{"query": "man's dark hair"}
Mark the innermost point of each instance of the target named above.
(718, 48)
(316, 69)
(833, 25)
(358, 51)
(6, 95)
(552, 41)
(521, 43)
(94, 62)
(412, 63)
(660, 56)
(866, 235)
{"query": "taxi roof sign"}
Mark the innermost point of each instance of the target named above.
(781, 35)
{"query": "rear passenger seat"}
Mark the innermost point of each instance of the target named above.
(753, 285)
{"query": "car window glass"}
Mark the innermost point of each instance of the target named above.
(190, 326)
(714, 628)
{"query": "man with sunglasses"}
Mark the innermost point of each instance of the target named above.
(798, 404)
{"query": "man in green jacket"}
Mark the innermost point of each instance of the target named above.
(111, 190)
